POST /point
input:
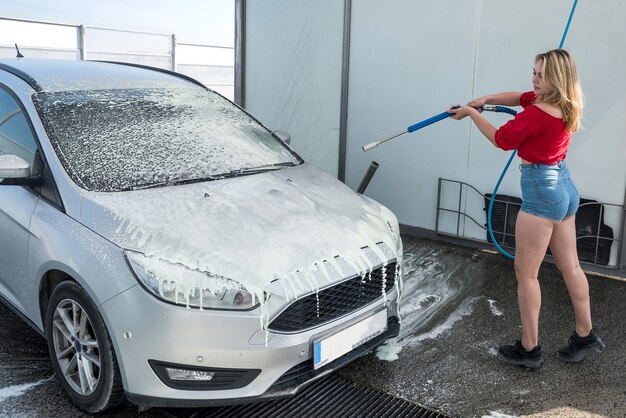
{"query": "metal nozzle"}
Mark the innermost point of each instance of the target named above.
(374, 144)
(369, 146)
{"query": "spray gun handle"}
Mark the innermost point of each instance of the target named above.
(497, 109)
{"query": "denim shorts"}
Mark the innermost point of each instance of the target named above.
(548, 191)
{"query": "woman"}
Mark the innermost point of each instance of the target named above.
(541, 133)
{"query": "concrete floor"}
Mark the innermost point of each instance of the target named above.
(459, 304)
(457, 371)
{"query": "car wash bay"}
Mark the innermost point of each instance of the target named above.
(458, 305)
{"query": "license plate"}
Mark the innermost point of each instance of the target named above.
(330, 348)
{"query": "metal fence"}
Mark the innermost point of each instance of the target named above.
(599, 225)
(214, 66)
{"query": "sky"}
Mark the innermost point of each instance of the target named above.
(193, 21)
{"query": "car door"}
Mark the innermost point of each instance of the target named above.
(17, 203)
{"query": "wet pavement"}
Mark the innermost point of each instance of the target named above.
(457, 371)
(458, 305)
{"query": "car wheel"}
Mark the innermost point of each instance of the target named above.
(81, 351)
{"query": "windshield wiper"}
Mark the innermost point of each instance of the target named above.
(142, 186)
(151, 185)
(228, 174)
(266, 167)
(255, 170)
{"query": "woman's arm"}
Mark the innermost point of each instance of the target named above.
(509, 98)
(483, 124)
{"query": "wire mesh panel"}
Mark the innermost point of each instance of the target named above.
(599, 225)
(503, 218)
(593, 236)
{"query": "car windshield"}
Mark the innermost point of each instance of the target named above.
(124, 139)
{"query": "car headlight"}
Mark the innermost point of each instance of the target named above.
(183, 286)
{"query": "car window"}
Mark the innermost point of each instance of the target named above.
(16, 137)
(120, 139)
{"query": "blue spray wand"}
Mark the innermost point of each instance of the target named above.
(433, 119)
(411, 128)
(441, 116)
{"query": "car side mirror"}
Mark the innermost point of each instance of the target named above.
(283, 136)
(14, 170)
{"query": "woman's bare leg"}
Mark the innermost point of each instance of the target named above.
(532, 236)
(563, 247)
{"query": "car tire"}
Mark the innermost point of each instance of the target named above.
(82, 354)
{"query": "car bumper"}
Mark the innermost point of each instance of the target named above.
(148, 329)
(288, 384)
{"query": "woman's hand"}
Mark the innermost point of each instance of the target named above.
(477, 103)
(482, 124)
(461, 112)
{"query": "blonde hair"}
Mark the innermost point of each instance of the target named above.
(559, 73)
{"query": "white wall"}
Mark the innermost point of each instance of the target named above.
(595, 39)
(293, 73)
(410, 60)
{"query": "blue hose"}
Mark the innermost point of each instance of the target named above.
(571, 15)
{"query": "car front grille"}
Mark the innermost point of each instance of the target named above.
(335, 301)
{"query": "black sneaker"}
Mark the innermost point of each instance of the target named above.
(518, 356)
(579, 347)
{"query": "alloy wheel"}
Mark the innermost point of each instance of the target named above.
(76, 347)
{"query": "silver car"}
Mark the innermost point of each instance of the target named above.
(174, 251)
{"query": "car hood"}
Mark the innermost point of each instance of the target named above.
(285, 226)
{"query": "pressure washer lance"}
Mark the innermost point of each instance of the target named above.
(436, 118)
